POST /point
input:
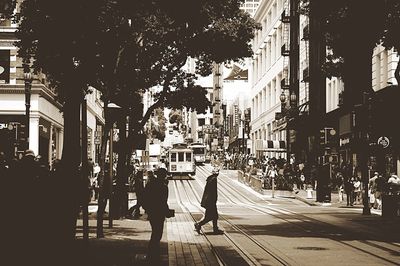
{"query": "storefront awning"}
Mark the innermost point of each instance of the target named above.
(270, 145)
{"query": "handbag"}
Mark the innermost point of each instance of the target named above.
(372, 198)
(170, 213)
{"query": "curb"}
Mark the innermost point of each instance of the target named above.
(307, 201)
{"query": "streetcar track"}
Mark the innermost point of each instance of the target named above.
(313, 222)
(242, 253)
(181, 204)
(251, 238)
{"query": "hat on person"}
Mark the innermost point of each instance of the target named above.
(376, 173)
(29, 153)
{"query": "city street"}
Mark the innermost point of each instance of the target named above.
(259, 230)
(126, 125)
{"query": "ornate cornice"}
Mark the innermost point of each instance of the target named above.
(40, 89)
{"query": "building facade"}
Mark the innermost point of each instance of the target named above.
(45, 116)
(268, 68)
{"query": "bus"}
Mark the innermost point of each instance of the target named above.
(180, 160)
(199, 152)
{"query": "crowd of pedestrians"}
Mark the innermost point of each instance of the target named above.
(33, 194)
(287, 174)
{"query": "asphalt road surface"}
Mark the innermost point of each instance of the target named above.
(260, 230)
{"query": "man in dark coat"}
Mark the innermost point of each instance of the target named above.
(209, 202)
(156, 206)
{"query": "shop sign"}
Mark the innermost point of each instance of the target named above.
(383, 141)
(344, 141)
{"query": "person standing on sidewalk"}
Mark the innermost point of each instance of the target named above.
(138, 188)
(156, 206)
(209, 202)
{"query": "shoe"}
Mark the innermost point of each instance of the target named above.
(197, 227)
(218, 232)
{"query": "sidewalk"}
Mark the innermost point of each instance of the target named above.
(310, 199)
(126, 243)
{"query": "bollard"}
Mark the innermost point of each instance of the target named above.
(309, 193)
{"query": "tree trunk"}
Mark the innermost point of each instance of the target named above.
(85, 173)
(70, 163)
(104, 183)
(121, 204)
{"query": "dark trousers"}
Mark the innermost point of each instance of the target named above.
(349, 198)
(157, 227)
(210, 215)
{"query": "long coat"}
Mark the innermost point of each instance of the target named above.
(155, 199)
(210, 195)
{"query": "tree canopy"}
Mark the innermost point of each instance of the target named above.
(6, 8)
(124, 48)
(350, 25)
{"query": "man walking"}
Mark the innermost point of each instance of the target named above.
(209, 202)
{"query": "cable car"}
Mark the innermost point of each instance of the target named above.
(180, 160)
(199, 152)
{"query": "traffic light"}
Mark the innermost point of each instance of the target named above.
(322, 136)
(330, 135)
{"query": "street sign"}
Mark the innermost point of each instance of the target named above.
(383, 141)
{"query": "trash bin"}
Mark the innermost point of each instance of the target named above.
(391, 205)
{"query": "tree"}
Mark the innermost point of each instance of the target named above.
(175, 117)
(124, 48)
(165, 38)
(158, 128)
(58, 46)
(352, 32)
(6, 8)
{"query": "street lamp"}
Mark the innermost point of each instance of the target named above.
(246, 128)
(28, 86)
(293, 100)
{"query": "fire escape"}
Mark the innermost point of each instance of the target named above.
(285, 50)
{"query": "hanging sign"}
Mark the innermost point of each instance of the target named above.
(383, 141)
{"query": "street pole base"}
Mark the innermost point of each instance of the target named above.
(366, 211)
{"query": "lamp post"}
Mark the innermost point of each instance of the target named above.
(28, 86)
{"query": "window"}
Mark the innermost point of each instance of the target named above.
(5, 64)
(173, 157)
(181, 156)
(188, 157)
(201, 122)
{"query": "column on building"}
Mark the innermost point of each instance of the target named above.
(60, 143)
(50, 159)
(34, 134)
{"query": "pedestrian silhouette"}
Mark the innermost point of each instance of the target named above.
(156, 206)
(209, 202)
(138, 188)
